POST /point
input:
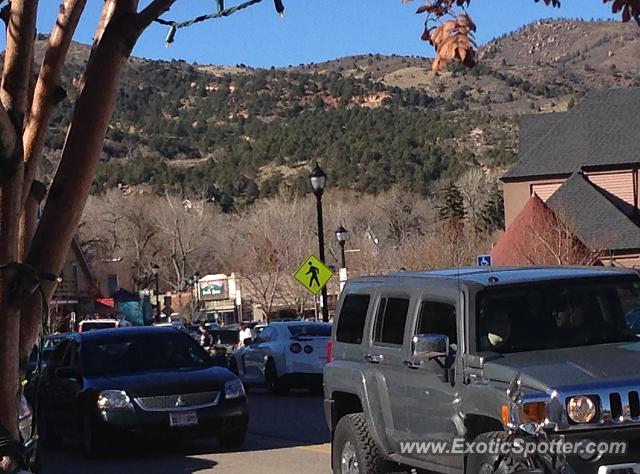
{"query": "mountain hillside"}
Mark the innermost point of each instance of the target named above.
(237, 134)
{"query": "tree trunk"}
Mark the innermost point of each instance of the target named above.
(30, 315)
(18, 63)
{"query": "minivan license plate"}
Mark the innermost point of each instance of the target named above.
(185, 418)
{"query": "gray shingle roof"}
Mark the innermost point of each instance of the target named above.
(602, 129)
(533, 126)
(595, 220)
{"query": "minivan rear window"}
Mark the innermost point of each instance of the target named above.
(352, 318)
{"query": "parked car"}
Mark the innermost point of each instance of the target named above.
(284, 355)
(145, 381)
(257, 329)
(428, 356)
(49, 345)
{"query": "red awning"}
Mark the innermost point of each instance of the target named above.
(108, 302)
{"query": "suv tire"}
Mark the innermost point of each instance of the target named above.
(275, 384)
(354, 451)
(484, 463)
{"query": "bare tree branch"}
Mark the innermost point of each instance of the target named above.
(18, 59)
(153, 11)
(48, 91)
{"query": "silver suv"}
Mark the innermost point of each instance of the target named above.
(427, 357)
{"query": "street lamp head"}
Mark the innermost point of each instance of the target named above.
(318, 179)
(341, 235)
(155, 269)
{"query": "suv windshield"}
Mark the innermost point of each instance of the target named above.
(124, 355)
(310, 330)
(557, 315)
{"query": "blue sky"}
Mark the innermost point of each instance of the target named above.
(315, 30)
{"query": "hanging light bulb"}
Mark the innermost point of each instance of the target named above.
(170, 36)
(279, 7)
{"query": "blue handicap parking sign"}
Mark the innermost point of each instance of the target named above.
(484, 260)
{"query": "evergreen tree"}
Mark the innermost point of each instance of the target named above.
(451, 207)
(492, 213)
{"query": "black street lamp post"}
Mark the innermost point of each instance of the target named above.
(341, 237)
(192, 303)
(155, 269)
(196, 283)
(318, 179)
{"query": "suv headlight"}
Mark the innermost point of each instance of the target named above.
(114, 400)
(233, 389)
(581, 409)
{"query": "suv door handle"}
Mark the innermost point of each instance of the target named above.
(374, 358)
(412, 364)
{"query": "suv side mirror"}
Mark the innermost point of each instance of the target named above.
(247, 341)
(430, 346)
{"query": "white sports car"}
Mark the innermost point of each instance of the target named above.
(284, 355)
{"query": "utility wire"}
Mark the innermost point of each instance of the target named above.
(174, 26)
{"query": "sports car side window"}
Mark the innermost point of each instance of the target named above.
(265, 336)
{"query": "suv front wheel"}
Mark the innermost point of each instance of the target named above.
(354, 451)
(487, 463)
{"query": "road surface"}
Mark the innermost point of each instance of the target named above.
(286, 434)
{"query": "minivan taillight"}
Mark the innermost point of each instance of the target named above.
(329, 351)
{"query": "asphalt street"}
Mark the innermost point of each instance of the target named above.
(286, 434)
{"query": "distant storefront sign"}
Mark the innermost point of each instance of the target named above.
(213, 289)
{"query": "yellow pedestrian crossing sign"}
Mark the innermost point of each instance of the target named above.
(313, 275)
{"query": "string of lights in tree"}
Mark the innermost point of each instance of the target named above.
(174, 26)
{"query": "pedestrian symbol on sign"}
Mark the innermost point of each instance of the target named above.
(313, 271)
(484, 260)
(313, 274)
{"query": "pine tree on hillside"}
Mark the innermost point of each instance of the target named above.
(451, 207)
(492, 213)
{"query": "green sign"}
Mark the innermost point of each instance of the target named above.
(213, 289)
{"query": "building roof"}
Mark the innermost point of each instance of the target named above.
(533, 126)
(593, 218)
(601, 130)
(82, 258)
(532, 238)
